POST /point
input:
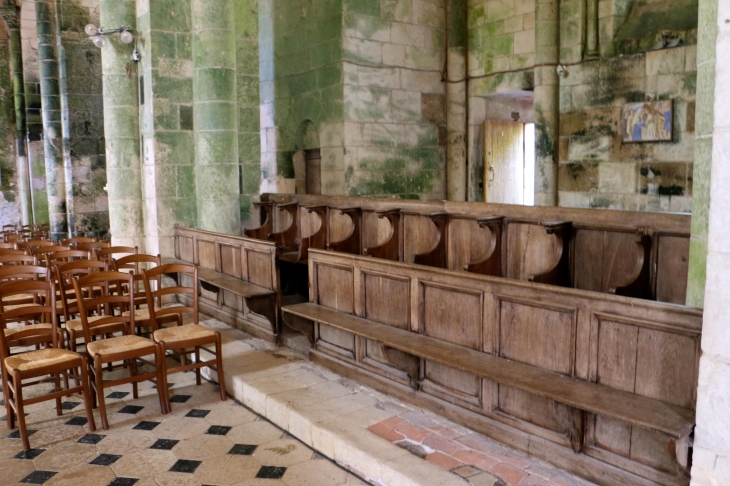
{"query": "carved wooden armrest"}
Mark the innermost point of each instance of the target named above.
(391, 249)
(559, 272)
(263, 231)
(491, 263)
(436, 257)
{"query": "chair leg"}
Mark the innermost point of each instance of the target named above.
(162, 390)
(57, 387)
(133, 372)
(197, 361)
(88, 405)
(21, 414)
(98, 365)
(219, 366)
(8, 396)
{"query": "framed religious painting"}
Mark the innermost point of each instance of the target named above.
(647, 121)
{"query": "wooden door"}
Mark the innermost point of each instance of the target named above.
(313, 164)
(504, 162)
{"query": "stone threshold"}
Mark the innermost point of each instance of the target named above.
(346, 421)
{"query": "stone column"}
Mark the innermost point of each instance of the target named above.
(456, 116)
(704, 125)
(547, 101)
(591, 29)
(121, 128)
(51, 112)
(216, 116)
(711, 459)
(11, 16)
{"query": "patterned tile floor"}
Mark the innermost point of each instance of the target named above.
(203, 441)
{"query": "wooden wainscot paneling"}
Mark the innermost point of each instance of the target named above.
(455, 315)
(259, 268)
(651, 359)
(672, 265)
(206, 253)
(231, 259)
(334, 287)
(386, 299)
(185, 245)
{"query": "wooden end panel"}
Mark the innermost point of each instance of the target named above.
(335, 287)
(672, 269)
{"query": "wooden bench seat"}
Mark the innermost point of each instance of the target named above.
(676, 422)
(260, 300)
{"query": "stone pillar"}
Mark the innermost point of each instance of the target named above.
(121, 128)
(704, 126)
(591, 29)
(11, 16)
(216, 116)
(456, 116)
(547, 101)
(51, 112)
(711, 460)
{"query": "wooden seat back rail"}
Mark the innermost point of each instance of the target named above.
(612, 377)
(239, 275)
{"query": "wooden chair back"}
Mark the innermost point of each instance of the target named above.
(30, 244)
(7, 246)
(21, 259)
(64, 256)
(135, 264)
(101, 293)
(76, 240)
(156, 292)
(40, 312)
(92, 246)
(112, 251)
(23, 272)
(8, 227)
(64, 275)
(12, 238)
(40, 252)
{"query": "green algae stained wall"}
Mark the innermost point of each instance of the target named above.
(395, 99)
(301, 80)
(85, 110)
(9, 206)
(247, 77)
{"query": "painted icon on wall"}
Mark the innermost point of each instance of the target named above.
(648, 121)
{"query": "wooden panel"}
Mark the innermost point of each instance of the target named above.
(666, 367)
(617, 346)
(206, 253)
(335, 288)
(588, 260)
(530, 250)
(612, 435)
(525, 406)
(453, 315)
(468, 242)
(619, 259)
(387, 300)
(340, 225)
(419, 235)
(650, 448)
(672, 268)
(231, 260)
(538, 336)
(452, 380)
(232, 300)
(259, 268)
(185, 247)
(337, 338)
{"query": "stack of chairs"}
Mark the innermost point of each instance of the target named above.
(71, 311)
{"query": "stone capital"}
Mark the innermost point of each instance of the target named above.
(11, 14)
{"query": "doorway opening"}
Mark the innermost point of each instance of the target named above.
(313, 171)
(509, 162)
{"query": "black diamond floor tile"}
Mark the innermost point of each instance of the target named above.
(69, 405)
(30, 455)
(164, 444)
(131, 409)
(184, 466)
(105, 460)
(218, 430)
(197, 413)
(38, 477)
(243, 449)
(179, 398)
(144, 425)
(91, 439)
(123, 482)
(15, 434)
(271, 472)
(117, 394)
(78, 421)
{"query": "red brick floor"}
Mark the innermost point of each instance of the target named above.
(451, 447)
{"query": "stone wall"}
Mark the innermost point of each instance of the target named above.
(395, 98)
(81, 88)
(9, 203)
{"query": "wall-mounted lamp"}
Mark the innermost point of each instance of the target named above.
(97, 34)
